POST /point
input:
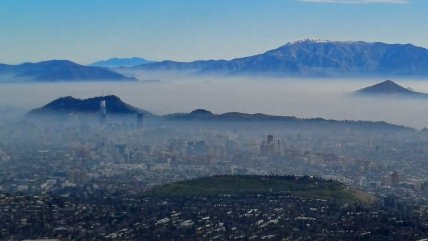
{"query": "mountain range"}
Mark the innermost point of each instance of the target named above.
(122, 62)
(314, 58)
(306, 58)
(201, 115)
(205, 115)
(389, 88)
(115, 106)
(57, 70)
(69, 105)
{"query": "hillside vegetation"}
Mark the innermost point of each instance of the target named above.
(307, 187)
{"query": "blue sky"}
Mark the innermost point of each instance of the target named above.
(88, 30)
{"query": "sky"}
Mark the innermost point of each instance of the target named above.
(184, 30)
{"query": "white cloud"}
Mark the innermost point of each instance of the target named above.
(357, 1)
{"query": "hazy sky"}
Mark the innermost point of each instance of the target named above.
(184, 30)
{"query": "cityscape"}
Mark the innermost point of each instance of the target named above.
(81, 161)
(214, 120)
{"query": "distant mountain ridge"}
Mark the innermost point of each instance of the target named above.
(59, 70)
(68, 105)
(311, 58)
(122, 62)
(389, 88)
(201, 115)
(71, 105)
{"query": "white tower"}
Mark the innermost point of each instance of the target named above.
(103, 107)
(103, 110)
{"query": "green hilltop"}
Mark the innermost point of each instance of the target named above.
(305, 187)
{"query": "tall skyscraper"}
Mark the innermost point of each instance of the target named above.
(395, 179)
(278, 146)
(103, 111)
(269, 139)
(268, 148)
(140, 119)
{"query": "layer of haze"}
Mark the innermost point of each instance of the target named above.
(278, 96)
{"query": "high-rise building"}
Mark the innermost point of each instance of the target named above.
(269, 139)
(103, 110)
(278, 146)
(140, 118)
(366, 166)
(363, 181)
(268, 148)
(395, 179)
(120, 149)
(76, 176)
